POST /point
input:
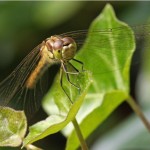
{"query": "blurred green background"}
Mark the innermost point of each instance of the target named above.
(23, 25)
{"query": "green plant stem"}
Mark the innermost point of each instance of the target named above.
(138, 111)
(79, 134)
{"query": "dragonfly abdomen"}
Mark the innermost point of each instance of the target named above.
(36, 74)
(43, 64)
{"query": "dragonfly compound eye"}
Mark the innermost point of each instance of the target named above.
(67, 41)
(58, 45)
(57, 48)
(69, 48)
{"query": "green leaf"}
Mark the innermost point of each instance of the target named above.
(13, 127)
(108, 55)
(57, 104)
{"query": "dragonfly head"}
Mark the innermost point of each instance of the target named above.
(63, 48)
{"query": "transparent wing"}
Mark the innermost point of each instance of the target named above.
(105, 37)
(13, 92)
(140, 32)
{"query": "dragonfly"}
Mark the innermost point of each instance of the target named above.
(25, 87)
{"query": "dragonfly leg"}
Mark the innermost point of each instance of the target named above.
(61, 84)
(67, 72)
(80, 62)
(73, 67)
(68, 78)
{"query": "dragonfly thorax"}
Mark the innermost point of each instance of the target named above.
(62, 48)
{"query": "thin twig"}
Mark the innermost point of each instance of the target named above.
(138, 111)
(79, 134)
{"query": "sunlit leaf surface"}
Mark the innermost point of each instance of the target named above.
(13, 127)
(59, 106)
(110, 85)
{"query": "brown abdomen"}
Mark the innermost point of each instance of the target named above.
(37, 73)
(44, 62)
